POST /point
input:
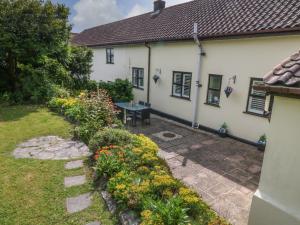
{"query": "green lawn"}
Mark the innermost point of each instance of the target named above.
(32, 191)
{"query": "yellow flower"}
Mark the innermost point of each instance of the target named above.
(146, 214)
(120, 186)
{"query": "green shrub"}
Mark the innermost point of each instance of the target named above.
(60, 92)
(110, 163)
(110, 136)
(169, 212)
(119, 90)
(5, 98)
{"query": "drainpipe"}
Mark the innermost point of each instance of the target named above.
(198, 78)
(149, 66)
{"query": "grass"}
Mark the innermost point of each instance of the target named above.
(32, 191)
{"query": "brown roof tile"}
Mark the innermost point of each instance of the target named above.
(215, 18)
(287, 73)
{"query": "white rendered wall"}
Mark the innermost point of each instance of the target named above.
(245, 58)
(277, 201)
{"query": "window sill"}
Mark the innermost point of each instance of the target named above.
(256, 114)
(214, 105)
(110, 63)
(138, 88)
(183, 98)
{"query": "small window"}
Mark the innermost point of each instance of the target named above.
(214, 90)
(110, 58)
(182, 85)
(138, 78)
(256, 99)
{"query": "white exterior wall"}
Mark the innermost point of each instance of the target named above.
(125, 58)
(277, 200)
(245, 58)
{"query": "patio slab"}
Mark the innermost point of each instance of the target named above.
(223, 171)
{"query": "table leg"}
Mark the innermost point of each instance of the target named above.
(134, 118)
(124, 117)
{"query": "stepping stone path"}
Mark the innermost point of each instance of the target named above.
(56, 148)
(75, 181)
(51, 148)
(81, 202)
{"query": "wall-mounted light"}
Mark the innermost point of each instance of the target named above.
(156, 78)
(228, 90)
(157, 75)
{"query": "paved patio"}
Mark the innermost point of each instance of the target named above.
(224, 172)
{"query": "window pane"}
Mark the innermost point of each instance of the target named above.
(177, 90)
(256, 105)
(215, 82)
(134, 78)
(177, 78)
(112, 56)
(186, 91)
(187, 79)
(141, 78)
(213, 97)
(256, 92)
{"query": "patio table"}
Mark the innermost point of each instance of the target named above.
(128, 106)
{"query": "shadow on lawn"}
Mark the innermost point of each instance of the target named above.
(16, 112)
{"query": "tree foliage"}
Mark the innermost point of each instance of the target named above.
(34, 49)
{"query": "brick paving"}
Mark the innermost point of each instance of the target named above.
(223, 171)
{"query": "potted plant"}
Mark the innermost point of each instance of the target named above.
(223, 131)
(261, 144)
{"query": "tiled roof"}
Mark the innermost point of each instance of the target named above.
(287, 73)
(215, 18)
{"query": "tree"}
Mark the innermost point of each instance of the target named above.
(80, 64)
(34, 48)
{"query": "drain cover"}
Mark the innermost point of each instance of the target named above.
(169, 135)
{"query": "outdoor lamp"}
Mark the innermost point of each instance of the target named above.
(156, 78)
(228, 90)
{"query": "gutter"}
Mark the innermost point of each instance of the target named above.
(198, 78)
(149, 72)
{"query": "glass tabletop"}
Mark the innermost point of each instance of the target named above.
(131, 106)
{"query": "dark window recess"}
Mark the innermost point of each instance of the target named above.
(214, 89)
(138, 78)
(256, 99)
(110, 57)
(181, 86)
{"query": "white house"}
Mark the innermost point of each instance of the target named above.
(277, 200)
(234, 43)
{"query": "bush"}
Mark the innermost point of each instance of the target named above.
(110, 136)
(91, 111)
(169, 212)
(119, 90)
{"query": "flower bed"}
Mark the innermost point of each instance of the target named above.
(136, 177)
(140, 181)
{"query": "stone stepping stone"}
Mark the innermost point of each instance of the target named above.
(51, 148)
(74, 165)
(75, 181)
(94, 223)
(79, 203)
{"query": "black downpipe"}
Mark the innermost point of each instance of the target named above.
(149, 72)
